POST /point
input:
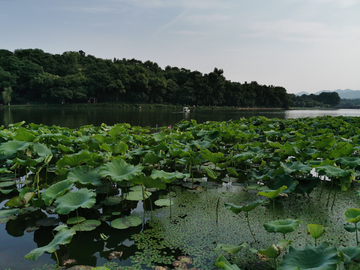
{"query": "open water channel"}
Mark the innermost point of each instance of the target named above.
(15, 241)
(76, 117)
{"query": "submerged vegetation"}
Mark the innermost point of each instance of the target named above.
(243, 194)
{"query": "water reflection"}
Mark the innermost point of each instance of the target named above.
(76, 117)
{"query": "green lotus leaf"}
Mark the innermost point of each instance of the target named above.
(24, 135)
(7, 184)
(83, 198)
(316, 230)
(350, 227)
(119, 148)
(211, 173)
(118, 170)
(352, 252)
(285, 180)
(63, 237)
(75, 220)
(167, 176)
(151, 158)
(16, 202)
(137, 195)
(223, 263)
(163, 202)
(148, 182)
(325, 143)
(48, 222)
(343, 150)
(232, 249)
(322, 257)
(307, 185)
(87, 225)
(352, 215)
(42, 149)
(246, 208)
(65, 149)
(112, 200)
(10, 212)
(74, 160)
(126, 222)
(282, 226)
(12, 147)
(159, 136)
(4, 170)
(296, 167)
(272, 194)
(212, 157)
(84, 175)
(56, 190)
(351, 162)
(274, 251)
(332, 171)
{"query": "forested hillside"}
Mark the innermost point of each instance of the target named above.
(31, 75)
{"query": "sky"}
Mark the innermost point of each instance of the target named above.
(301, 45)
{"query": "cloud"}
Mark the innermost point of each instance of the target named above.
(190, 33)
(197, 4)
(207, 18)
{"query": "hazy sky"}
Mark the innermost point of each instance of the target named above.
(302, 45)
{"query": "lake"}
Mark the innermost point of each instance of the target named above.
(76, 117)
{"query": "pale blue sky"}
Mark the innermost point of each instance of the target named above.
(302, 45)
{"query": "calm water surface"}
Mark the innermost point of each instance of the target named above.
(76, 117)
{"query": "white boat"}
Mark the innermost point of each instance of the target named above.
(186, 109)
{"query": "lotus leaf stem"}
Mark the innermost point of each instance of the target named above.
(57, 259)
(77, 217)
(217, 211)
(357, 237)
(247, 218)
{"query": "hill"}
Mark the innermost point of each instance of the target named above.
(344, 94)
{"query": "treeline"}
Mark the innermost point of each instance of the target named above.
(31, 75)
(324, 99)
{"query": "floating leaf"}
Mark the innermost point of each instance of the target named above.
(126, 222)
(282, 226)
(87, 225)
(137, 195)
(232, 249)
(75, 220)
(163, 202)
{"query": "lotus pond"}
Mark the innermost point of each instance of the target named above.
(252, 193)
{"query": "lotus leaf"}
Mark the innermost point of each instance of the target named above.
(85, 175)
(87, 225)
(274, 251)
(285, 180)
(126, 222)
(118, 170)
(83, 198)
(24, 135)
(12, 147)
(322, 257)
(151, 158)
(316, 230)
(10, 212)
(167, 176)
(282, 226)
(113, 200)
(7, 184)
(159, 136)
(42, 149)
(74, 160)
(272, 194)
(137, 195)
(350, 227)
(65, 149)
(353, 253)
(211, 173)
(75, 220)
(332, 171)
(246, 208)
(16, 202)
(56, 190)
(223, 263)
(232, 249)
(148, 182)
(352, 215)
(163, 202)
(63, 237)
